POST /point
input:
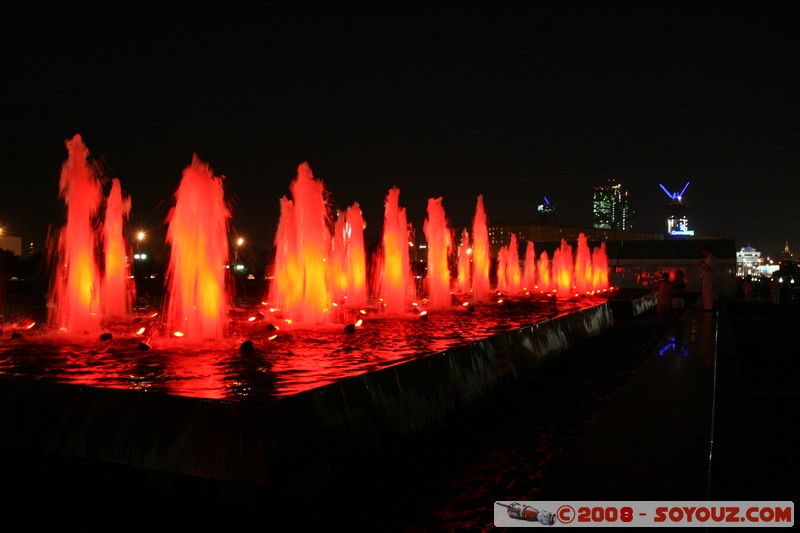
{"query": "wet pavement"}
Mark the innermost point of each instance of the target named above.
(737, 403)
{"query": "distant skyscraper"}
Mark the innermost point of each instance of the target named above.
(677, 212)
(611, 207)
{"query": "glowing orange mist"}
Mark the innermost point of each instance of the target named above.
(197, 299)
(118, 290)
(481, 288)
(300, 278)
(440, 245)
(392, 267)
(75, 291)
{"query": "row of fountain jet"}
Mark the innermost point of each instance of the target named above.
(320, 259)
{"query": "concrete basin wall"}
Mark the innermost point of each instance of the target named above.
(290, 445)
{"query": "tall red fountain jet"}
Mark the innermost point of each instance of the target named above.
(76, 286)
(393, 278)
(583, 266)
(440, 245)
(300, 279)
(356, 261)
(529, 271)
(197, 296)
(464, 264)
(118, 290)
(347, 265)
(481, 287)
(562, 270)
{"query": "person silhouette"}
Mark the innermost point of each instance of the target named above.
(707, 267)
(663, 294)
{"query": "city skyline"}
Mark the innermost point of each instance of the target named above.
(511, 103)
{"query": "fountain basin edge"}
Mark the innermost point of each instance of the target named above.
(288, 446)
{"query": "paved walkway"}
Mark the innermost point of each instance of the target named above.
(681, 429)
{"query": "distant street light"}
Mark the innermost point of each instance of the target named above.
(239, 242)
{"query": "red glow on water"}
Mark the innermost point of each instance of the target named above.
(197, 298)
(393, 278)
(481, 287)
(440, 245)
(118, 290)
(75, 292)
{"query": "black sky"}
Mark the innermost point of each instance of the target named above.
(514, 100)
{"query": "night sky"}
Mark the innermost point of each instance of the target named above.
(515, 101)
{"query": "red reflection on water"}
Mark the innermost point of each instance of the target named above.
(440, 245)
(74, 295)
(118, 289)
(197, 297)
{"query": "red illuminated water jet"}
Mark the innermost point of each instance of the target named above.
(75, 292)
(392, 268)
(543, 277)
(481, 262)
(299, 286)
(440, 246)
(118, 291)
(529, 272)
(562, 268)
(464, 264)
(583, 266)
(347, 264)
(600, 268)
(197, 296)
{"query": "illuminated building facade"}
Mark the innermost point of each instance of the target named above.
(749, 262)
(611, 207)
(677, 213)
